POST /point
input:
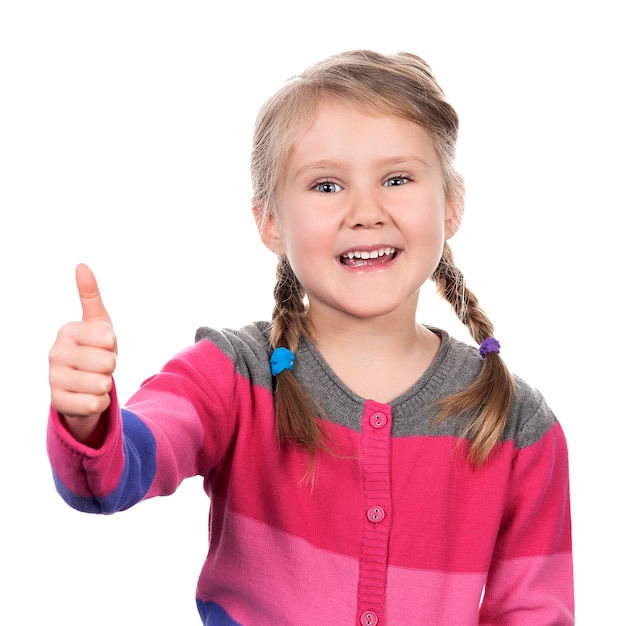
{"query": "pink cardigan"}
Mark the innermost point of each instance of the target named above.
(396, 528)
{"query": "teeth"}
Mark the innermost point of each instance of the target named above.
(365, 254)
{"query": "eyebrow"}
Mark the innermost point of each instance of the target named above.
(413, 159)
(323, 164)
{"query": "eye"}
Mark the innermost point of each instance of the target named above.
(326, 186)
(397, 181)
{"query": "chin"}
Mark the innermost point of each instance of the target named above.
(372, 310)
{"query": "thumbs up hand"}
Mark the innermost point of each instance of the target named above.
(82, 361)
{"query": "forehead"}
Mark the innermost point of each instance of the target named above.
(341, 130)
(327, 107)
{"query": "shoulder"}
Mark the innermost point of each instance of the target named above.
(247, 347)
(530, 417)
(252, 336)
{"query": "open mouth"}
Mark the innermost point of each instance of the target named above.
(368, 258)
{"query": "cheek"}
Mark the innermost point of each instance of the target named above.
(427, 224)
(302, 244)
(306, 230)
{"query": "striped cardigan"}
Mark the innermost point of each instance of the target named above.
(396, 528)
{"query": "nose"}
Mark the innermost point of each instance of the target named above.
(366, 210)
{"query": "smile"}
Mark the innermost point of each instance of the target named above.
(368, 258)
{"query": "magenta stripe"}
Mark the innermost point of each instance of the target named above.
(93, 482)
(424, 471)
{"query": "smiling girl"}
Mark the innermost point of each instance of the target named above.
(362, 468)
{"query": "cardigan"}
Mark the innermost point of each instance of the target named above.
(394, 528)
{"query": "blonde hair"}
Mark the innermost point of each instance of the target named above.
(401, 85)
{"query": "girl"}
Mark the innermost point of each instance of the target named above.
(362, 468)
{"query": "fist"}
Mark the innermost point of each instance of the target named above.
(83, 357)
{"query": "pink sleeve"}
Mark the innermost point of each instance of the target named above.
(177, 425)
(531, 575)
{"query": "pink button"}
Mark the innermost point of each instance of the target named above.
(369, 618)
(375, 514)
(378, 420)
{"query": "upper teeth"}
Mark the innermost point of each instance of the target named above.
(365, 254)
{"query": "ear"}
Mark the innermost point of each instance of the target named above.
(455, 205)
(268, 228)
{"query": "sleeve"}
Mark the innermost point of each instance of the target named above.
(177, 425)
(530, 580)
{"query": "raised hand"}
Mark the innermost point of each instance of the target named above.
(82, 361)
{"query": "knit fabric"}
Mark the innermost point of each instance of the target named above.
(395, 528)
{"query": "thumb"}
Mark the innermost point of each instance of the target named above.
(90, 300)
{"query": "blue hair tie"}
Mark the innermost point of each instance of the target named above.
(281, 359)
(491, 344)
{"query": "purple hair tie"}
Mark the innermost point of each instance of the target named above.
(491, 344)
(281, 359)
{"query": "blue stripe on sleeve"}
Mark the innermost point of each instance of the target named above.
(137, 476)
(213, 614)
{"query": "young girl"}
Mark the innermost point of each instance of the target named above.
(362, 469)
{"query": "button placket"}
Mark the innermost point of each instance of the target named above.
(376, 514)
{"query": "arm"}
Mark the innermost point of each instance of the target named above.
(178, 424)
(84, 413)
(531, 579)
(105, 458)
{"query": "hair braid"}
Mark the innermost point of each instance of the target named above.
(295, 418)
(488, 399)
(289, 315)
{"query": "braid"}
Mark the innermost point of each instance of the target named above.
(488, 399)
(295, 418)
(288, 316)
(451, 286)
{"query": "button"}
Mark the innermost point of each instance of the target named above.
(375, 514)
(369, 618)
(378, 420)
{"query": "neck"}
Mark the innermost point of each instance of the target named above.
(376, 358)
(391, 331)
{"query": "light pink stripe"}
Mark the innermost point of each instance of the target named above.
(531, 590)
(429, 597)
(259, 580)
(177, 445)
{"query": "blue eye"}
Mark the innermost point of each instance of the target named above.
(396, 181)
(327, 186)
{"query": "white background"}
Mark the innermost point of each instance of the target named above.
(124, 141)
